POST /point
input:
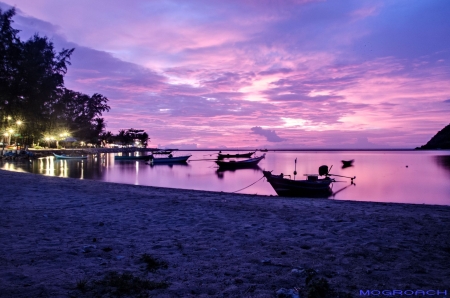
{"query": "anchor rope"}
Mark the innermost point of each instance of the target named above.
(203, 159)
(249, 185)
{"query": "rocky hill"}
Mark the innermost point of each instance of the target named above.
(440, 141)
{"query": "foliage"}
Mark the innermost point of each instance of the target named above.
(130, 136)
(153, 264)
(114, 284)
(81, 114)
(32, 88)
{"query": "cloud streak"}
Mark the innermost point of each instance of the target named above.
(200, 72)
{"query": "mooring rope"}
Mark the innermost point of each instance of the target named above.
(203, 159)
(249, 185)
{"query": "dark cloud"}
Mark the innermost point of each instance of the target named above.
(406, 29)
(227, 80)
(447, 101)
(303, 97)
(270, 135)
(275, 71)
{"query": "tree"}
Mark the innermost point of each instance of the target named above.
(41, 83)
(81, 113)
(130, 136)
(32, 88)
(10, 52)
(106, 137)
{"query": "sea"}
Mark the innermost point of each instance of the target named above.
(400, 176)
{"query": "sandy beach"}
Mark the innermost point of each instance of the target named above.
(63, 237)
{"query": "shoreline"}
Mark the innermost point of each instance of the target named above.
(55, 233)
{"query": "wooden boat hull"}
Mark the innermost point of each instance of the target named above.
(68, 157)
(299, 188)
(240, 164)
(169, 160)
(240, 155)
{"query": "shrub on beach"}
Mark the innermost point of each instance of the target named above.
(115, 284)
(153, 264)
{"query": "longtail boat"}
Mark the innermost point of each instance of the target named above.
(313, 186)
(238, 164)
(131, 157)
(238, 155)
(167, 160)
(62, 156)
(162, 152)
(347, 163)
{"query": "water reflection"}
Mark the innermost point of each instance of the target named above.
(443, 161)
(381, 176)
(64, 168)
(220, 172)
(335, 192)
(170, 165)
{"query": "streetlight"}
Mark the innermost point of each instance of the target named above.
(5, 135)
(19, 123)
(10, 134)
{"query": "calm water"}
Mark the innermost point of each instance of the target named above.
(421, 177)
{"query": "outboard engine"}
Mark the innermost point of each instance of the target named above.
(323, 170)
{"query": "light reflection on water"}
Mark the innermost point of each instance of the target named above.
(421, 177)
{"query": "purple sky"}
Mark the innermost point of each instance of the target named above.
(258, 74)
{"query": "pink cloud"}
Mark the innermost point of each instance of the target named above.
(201, 72)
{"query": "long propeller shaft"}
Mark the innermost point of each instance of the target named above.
(342, 176)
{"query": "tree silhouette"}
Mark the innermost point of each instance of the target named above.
(32, 88)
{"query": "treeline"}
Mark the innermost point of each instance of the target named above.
(33, 100)
(125, 137)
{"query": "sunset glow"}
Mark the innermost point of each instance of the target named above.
(258, 74)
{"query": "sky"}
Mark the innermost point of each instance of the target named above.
(287, 74)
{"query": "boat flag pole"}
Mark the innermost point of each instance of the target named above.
(295, 168)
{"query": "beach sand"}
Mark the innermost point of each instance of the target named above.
(63, 237)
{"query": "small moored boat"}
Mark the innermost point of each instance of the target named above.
(63, 156)
(237, 164)
(347, 163)
(313, 186)
(237, 155)
(168, 160)
(162, 152)
(131, 157)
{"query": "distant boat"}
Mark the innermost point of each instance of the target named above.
(233, 164)
(263, 150)
(131, 157)
(347, 163)
(162, 152)
(63, 156)
(168, 160)
(238, 155)
(311, 187)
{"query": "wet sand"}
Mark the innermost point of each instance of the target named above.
(59, 237)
